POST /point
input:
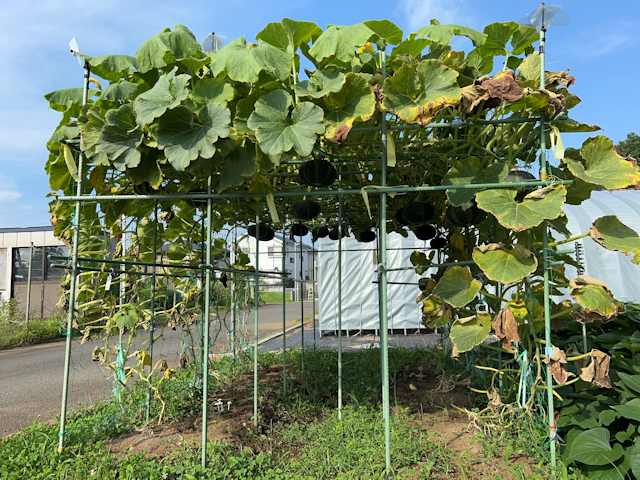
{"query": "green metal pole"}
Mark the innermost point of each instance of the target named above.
(72, 282)
(284, 310)
(340, 306)
(205, 345)
(384, 340)
(313, 278)
(255, 320)
(584, 338)
(545, 256)
(302, 305)
(234, 300)
(153, 305)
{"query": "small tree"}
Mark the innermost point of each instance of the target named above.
(629, 147)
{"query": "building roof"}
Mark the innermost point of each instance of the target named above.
(47, 228)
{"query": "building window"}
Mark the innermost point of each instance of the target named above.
(291, 260)
(275, 251)
(41, 270)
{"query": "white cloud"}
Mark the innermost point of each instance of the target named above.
(418, 13)
(8, 189)
(606, 39)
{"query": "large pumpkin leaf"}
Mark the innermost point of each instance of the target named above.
(166, 94)
(417, 92)
(410, 47)
(62, 100)
(597, 162)
(457, 287)
(499, 34)
(120, 138)
(467, 333)
(634, 457)
(505, 264)
(289, 32)
(112, 67)
(321, 83)
(185, 136)
(148, 171)
(340, 42)
(212, 90)
(536, 206)
(386, 31)
(239, 163)
(611, 233)
(594, 297)
(243, 63)
(443, 34)
(468, 171)
(592, 447)
(166, 47)
(354, 102)
(119, 92)
(278, 132)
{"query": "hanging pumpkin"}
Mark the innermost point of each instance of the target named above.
(299, 230)
(414, 213)
(322, 232)
(334, 234)
(306, 209)
(399, 218)
(465, 215)
(367, 236)
(519, 177)
(317, 173)
(426, 232)
(144, 188)
(438, 242)
(266, 233)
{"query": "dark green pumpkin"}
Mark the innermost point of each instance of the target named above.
(414, 213)
(266, 233)
(426, 232)
(144, 188)
(367, 236)
(399, 218)
(465, 215)
(438, 243)
(323, 232)
(299, 230)
(334, 235)
(317, 173)
(306, 209)
(519, 177)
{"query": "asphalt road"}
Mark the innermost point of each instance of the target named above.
(31, 378)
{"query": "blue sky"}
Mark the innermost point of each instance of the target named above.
(601, 48)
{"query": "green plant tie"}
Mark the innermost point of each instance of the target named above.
(119, 375)
(525, 378)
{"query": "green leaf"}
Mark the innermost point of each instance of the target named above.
(592, 447)
(417, 92)
(443, 34)
(630, 410)
(243, 63)
(321, 83)
(571, 126)
(185, 136)
(212, 90)
(147, 171)
(112, 67)
(522, 39)
(419, 258)
(612, 234)
(62, 100)
(126, 318)
(354, 102)
(166, 47)
(340, 42)
(505, 264)
(536, 206)
(239, 163)
(457, 286)
(410, 47)
(119, 92)
(120, 138)
(498, 35)
(166, 94)
(597, 162)
(593, 296)
(467, 333)
(470, 170)
(634, 458)
(289, 32)
(59, 176)
(387, 31)
(630, 381)
(278, 132)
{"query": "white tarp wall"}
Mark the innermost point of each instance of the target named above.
(613, 268)
(359, 293)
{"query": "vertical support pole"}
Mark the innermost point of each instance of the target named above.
(255, 320)
(232, 259)
(340, 303)
(207, 313)
(74, 274)
(302, 304)
(545, 258)
(284, 310)
(585, 346)
(27, 312)
(382, 274)
(313, 284)
(153, 303)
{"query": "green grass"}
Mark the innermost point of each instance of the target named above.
(14, 331)
(274, 297)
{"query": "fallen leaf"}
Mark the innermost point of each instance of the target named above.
(494, 400)
(412, 387)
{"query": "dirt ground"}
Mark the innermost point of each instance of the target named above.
(431, 400)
